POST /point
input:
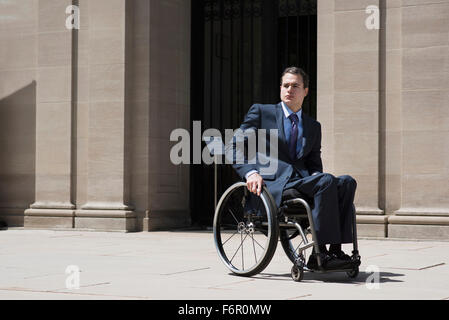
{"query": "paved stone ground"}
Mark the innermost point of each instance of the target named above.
(185, 265)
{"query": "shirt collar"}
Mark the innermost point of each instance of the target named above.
(288, 111)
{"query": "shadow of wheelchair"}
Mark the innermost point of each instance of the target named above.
(335, 277)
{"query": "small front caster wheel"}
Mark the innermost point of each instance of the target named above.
(297, 273)
(353, 273)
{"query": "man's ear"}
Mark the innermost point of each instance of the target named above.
(307, 92)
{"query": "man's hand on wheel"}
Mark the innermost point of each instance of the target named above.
(255, 183)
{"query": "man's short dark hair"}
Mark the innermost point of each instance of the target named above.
(296, 70)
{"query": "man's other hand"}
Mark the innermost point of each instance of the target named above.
(254, 183)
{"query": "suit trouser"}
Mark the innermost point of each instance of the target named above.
(333, 210)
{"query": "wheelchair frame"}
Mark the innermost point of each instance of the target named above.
(278, 222)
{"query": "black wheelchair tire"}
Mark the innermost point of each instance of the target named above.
(287, 245)
(297, 273)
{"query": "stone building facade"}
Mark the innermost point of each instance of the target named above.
(384, 106)
(86, 115)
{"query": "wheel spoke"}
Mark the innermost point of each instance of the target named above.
(243, 261)
(259, 244)
(228, 226)
(230, 237)
(238, 249)
(263, 231)
(236, 205)
(233, 215)
(254, 248)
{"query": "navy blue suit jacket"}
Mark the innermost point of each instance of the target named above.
(270, 116)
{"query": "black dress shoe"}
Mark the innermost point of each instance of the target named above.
(312, 264)
(328, 262)
(347, 261)
(338, 264)
(340, 255)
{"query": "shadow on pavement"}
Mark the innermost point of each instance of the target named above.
(336, 277)
(3, 225)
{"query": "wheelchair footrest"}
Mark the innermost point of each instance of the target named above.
(350, 266)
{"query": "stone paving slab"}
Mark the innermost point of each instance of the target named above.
(185, 266)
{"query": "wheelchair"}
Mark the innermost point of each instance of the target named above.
(247, 229)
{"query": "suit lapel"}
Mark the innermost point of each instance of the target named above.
(280, 124)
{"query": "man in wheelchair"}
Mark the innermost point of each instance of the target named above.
(300, 170)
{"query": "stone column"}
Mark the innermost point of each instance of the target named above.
(53, 207)
(169, 110)
(18, 62)
(391, 106)
(348, 103)
(137, 99)
(107, 194)
(424, 71)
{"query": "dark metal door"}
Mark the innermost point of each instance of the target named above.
(239, 50)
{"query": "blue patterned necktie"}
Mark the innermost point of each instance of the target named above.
(293, 136)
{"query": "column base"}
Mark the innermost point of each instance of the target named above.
(372, 226)
(49, 218)
(159, 220)
(105, 220)
(370, 211)
(419, 227)
(371, 222)
(52, 205)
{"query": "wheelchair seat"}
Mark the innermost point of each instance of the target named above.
(292, 208)
(292, 194)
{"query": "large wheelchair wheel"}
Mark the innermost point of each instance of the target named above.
(246, 230)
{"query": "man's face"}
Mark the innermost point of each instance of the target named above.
(293, 91)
